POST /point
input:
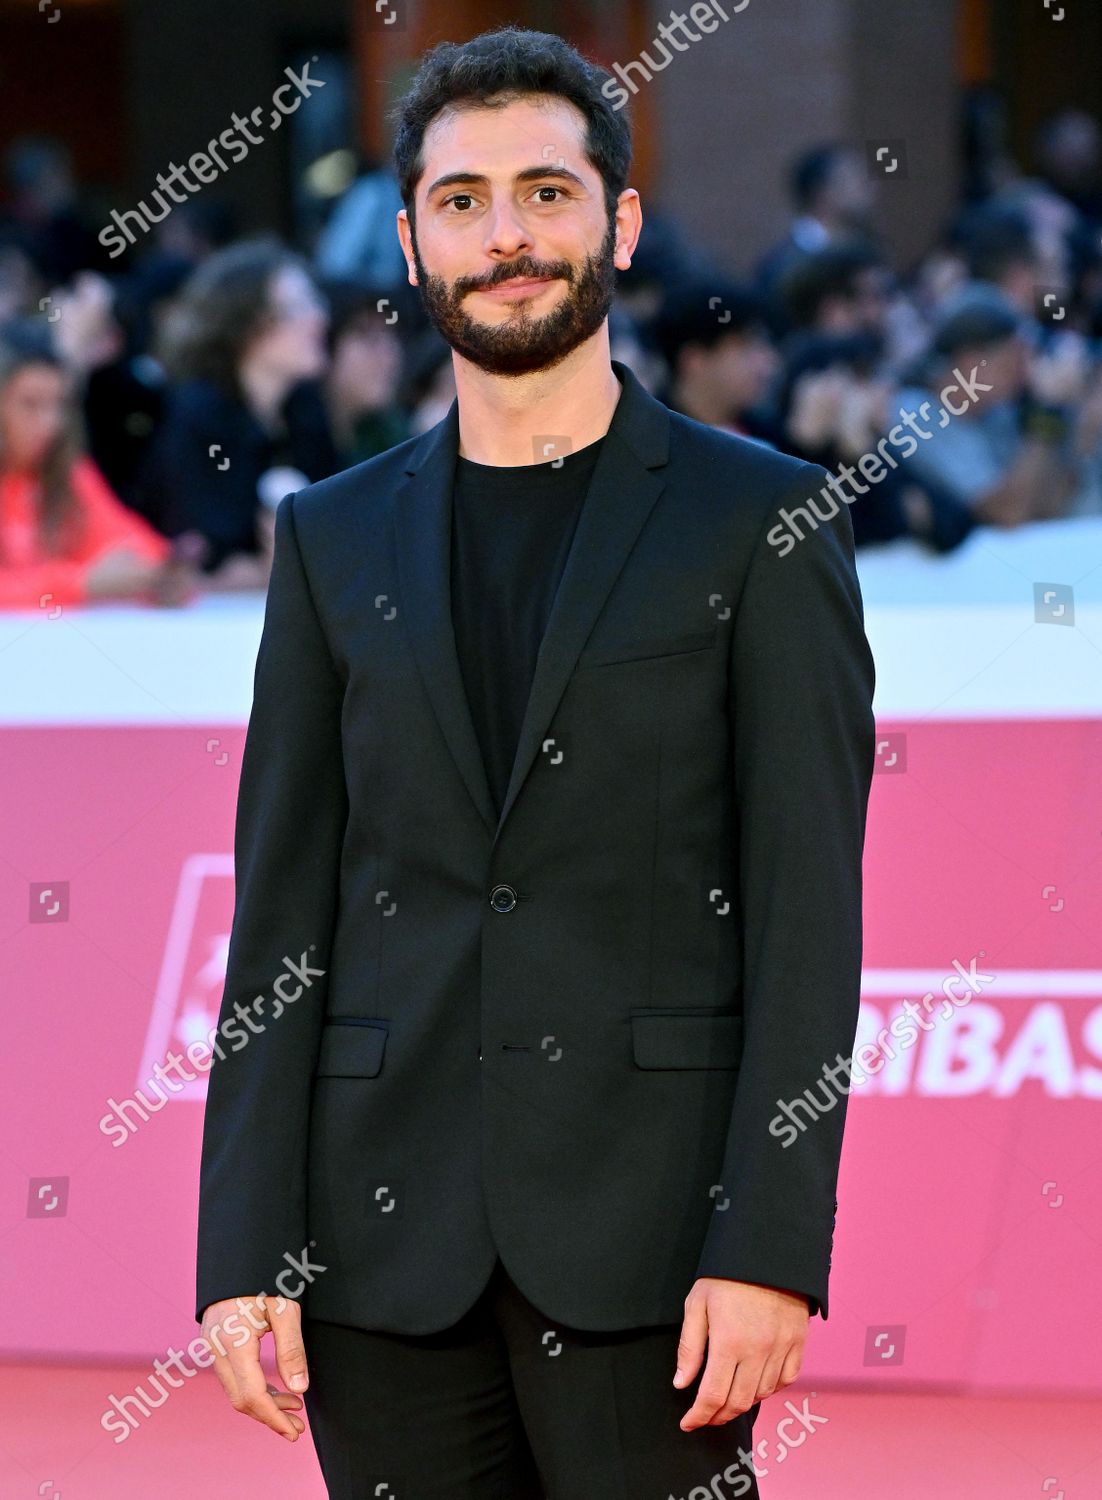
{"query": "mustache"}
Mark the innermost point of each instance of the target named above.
(554, 270)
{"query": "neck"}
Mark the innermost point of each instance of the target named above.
(508, 420)
(264, 389)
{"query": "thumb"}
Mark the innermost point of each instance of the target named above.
(285, 1321)
(694, 1332)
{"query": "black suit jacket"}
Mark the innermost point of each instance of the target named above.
(562, 1033)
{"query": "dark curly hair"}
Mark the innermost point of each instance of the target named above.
(493, 70)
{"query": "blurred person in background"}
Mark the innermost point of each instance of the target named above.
(833, 408)
(833, 396)
(365, 371)
(64, 537)
(1067, 150)
(714, 337)
(194, 230)
(626, 343)
(124, 388)
(1084, 310)
(358, 241)
(1052, 224)
(245, 420)
(1007, 452)
(429, 385)
(663, 257)
(42, 211)
(119, 389)
(937, 277)
(18, 279)
(996, 246)
(834, 197)
(843, 289)
(124, 395)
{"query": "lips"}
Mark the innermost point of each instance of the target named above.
(517, 285)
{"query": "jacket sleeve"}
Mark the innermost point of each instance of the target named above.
(291, 814)
(803, 745)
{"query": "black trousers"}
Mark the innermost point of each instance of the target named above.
(506, 1406)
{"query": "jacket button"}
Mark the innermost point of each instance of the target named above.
(503, 898)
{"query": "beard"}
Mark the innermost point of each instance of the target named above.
(525, 342)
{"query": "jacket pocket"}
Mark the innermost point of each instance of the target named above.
(607, 656)
(686, 1039)
(351, 1048)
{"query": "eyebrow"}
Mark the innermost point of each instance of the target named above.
(529, 174)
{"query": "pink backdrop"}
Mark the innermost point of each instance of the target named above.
(970, 1222)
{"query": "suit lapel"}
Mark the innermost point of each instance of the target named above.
(423, 524)
(626, 482)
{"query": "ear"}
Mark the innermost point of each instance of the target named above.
(405, 235)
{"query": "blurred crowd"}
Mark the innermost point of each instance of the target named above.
(151, 419)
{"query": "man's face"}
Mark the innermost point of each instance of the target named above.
(1003, 365)
(851, 192)
(741, 368)
(507, 196)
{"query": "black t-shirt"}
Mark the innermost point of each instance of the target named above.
(512, 528)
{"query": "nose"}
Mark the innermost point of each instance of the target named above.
(506, 236)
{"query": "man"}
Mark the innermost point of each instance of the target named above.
(1000, 443)
(715, 340)
(834, 197)
(553, 799)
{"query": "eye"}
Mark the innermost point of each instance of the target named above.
(547, 188)
(455, 197)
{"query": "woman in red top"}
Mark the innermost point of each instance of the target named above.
(64, 536)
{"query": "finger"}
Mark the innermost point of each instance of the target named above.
(740, 1393)
(249, 1394)
(287, 1403)
(770, 1375)
(285, 1320)
(694, 1335)
(715, 1386)
(792, 1362)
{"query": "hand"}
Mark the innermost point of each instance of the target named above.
(755, 1336)
(86, 332)
(240, 571)
(1059, 376)
(120, 574)
(233, 1328)
(816, 406)
(862, 413)
(175, 583)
